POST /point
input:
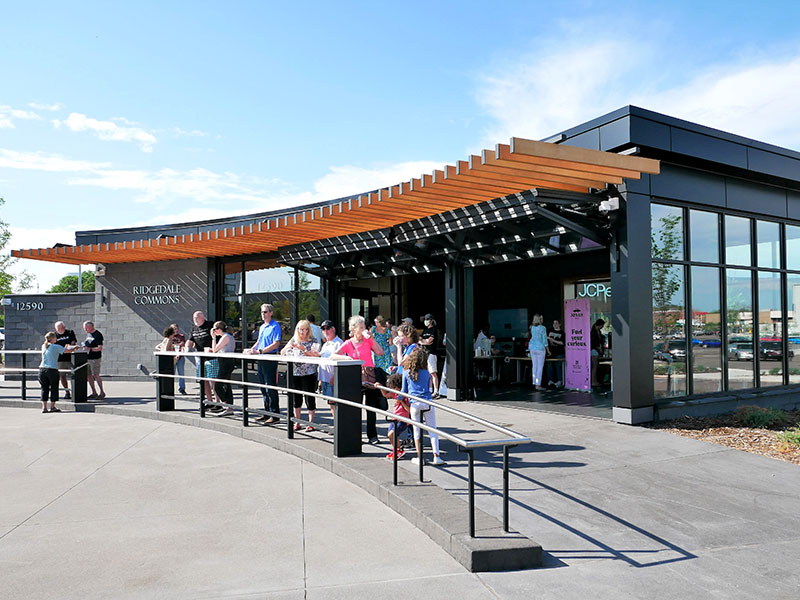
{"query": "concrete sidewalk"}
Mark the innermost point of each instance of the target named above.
(621, 512)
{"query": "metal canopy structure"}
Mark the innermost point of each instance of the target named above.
(521, 226)
(513, 168)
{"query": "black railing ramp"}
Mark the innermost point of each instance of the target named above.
(77, 370)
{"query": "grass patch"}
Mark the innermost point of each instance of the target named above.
(761, 418)
(791, 437)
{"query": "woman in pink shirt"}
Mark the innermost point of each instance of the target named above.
(360, 346)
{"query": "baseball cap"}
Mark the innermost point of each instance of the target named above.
(427, 317)
(326, 324)
(408, 320)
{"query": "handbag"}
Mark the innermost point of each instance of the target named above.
(368, 376)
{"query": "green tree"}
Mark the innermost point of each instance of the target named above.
(666, 239)
(10, 282)
(69, 283)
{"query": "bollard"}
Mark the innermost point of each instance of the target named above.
(79, 376)
(165, 391)
(24, 378)
(347, 419)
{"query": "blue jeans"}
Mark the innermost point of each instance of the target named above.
(327, 389)
(179, 371)
(268, 375)
(555, 372)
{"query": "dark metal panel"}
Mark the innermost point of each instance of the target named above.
(615, 134)
(793, 204)
(754, 197)
(773, 164)
(708, 148)
(678, 183)
(589, 139)
(631, 308)
(638, 186)
(459, 321)
(644, 132)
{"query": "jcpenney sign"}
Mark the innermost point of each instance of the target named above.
(162, 293)
(601, 291)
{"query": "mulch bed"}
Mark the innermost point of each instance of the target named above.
(727, 430)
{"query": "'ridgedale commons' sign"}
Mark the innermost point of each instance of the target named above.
(157, 294)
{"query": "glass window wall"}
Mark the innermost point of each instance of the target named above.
(666, 227)
(739, 312)
(769, 245)
(706, 358)
(770, 329)
(669, 331)
(738, 240)
(704, 236)
(793, 306)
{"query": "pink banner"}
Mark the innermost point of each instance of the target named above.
(578, 360)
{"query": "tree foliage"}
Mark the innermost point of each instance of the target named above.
(69, 283)
(665, 240)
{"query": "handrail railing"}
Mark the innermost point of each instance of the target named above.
(24, 370)
(469, 446)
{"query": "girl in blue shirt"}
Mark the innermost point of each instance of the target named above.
(48, 370)
(417, 382)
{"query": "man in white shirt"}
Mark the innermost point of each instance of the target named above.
(331, 345)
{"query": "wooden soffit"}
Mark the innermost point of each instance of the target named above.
(509, 168)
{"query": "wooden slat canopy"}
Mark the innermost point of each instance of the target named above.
(521, 165)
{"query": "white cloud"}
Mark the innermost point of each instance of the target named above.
(49, 107)
(8, 114)
(549, 91)
(41, 161)
(109, 130)
(349, 180)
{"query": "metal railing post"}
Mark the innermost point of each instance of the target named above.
(245, 402)
(347, 419)
(394, 453)
(289, 402)
(24, 390)
(165, 393)
(470, 452)
(79, 376)
(505, 489)
(202, 368)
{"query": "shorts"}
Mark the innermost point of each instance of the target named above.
(327, 390)
(93, 365)
(399, 425)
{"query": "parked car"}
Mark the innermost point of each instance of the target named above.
(673, 350)
(772, 350)
(709, 343)
(2, 337)
(741, 351)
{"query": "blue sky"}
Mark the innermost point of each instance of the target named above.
(115, 114)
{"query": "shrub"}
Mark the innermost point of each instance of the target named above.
(761, 418)
(790, 436)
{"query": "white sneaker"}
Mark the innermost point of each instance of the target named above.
(224, 413)
(415, 461)
(438, 461)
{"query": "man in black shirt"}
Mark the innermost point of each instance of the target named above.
(64, 337)
(200, 338)
(94, 342)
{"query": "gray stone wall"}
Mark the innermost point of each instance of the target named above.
(131, 305)
(30, 316)
(131, 319)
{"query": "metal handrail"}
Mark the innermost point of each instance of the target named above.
(468, 445)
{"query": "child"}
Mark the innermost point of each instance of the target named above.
(417, 382)
(398, 428)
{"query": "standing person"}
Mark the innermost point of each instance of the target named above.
(179, 344)
(267, 342)
(165, 345)
(537, 346)
(94, 342)
(430, 334)
(361, 346)
(555, 343)
(382, 335)
(406, 341)
(223, 342)
(48, 370)
(330, 346)
(316, 330)
(597, 341)
(64, 337)
(305, 374)
(200, 341)
(417, 382)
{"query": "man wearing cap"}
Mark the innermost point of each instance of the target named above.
(268, 342)
(64, 337)
(331, 345)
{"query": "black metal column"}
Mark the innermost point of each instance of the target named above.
(632, 312)
(347, 419)
(79, 376)
(165, 394)
(459, 325)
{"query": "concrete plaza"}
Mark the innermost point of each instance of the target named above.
(99, 505)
